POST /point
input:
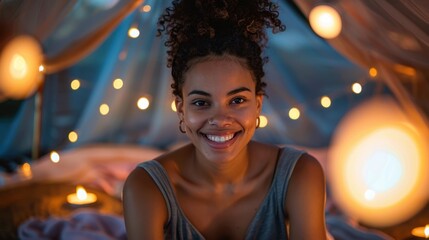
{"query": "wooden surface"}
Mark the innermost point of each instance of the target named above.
(43, 200)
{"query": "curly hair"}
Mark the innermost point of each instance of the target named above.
(199, 28)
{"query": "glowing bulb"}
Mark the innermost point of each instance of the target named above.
(325, 21)
(143, 103)
(73, 136)
(373, 72)
(263, 121)
(75, 84)
(133, 32)
(325, 101)
(104, 109)
(294, 113)
(18, 66)
(118, 83)
(369, 194)
(41, 68)
(146, 8)
(357, 88)
(173, 106)
(55, 157)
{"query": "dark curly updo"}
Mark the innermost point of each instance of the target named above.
(201, 28)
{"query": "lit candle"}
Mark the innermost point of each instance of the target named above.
(421, 231)
(81, 197)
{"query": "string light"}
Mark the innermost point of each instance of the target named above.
(118, 83)
(75, 84)
(325, 101)
(325, 21)
(143, 103)
(104, 109)
(173, 106)
(146, 8)
(357, 88)
(133, 32)
(294, 113)
(55, 157)
(73, 136)
(263, 121)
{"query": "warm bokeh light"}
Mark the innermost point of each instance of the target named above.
(25, 171)
(325, 21)
(73, 136)
(325, 101)
(294, 113)
(75, 84)
(373, 72)
(378, 164)
(41, 68)
(104, 109)
(173, 106)
(357, 88)
(133, 32)
(20, 60)
(118, 83)
(143, 103)
(263, 121)
(55, 157)
(146, 8)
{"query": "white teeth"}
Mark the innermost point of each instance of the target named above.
(220, 139)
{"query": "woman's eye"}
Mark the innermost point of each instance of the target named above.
(238, 100)
(200, 103)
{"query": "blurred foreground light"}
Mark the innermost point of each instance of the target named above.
(378, 165)
(20, 60)
(325, 21)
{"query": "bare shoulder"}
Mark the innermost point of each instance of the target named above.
(305, 199)
(145, 211)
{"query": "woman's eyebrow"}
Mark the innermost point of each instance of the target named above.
(232, 92)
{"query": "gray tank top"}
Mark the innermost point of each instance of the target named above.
(269, 221)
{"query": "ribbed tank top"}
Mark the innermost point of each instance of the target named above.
(269, 221)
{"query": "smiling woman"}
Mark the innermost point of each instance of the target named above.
(223, 185)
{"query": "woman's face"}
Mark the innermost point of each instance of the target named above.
(219, 108)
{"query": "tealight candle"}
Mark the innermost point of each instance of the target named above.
(421, 231)
(81, 197)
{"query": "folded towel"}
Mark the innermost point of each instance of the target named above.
(83, 225)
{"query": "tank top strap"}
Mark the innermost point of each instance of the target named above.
(160, 177)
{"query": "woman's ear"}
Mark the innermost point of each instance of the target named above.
(179, 106)
(259, 102)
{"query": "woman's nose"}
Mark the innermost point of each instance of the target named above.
(221, 118)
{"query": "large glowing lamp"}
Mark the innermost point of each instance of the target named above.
(325, 21)
(378, 165)
(20, 60)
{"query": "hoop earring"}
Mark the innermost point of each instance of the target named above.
(258, 121)
(180, 127)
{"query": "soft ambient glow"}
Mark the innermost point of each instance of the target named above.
(422, 232)
(55, 157)
(294, 113)
(75, 84)
(325, 21)
(377, 164)
(133, 32)
(81, 197)
(143, 103)
(20, 60)
(263, 121)
(325, 101)
(104, 109)
(118, 83)
(73, 136)
(357, 88)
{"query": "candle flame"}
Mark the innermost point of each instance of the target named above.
(427, 231)
(81, 193)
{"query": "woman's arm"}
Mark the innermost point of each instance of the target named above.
(305, 200)
(145, 211)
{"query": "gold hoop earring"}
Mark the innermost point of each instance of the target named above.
(180, 127)
(258, 121)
